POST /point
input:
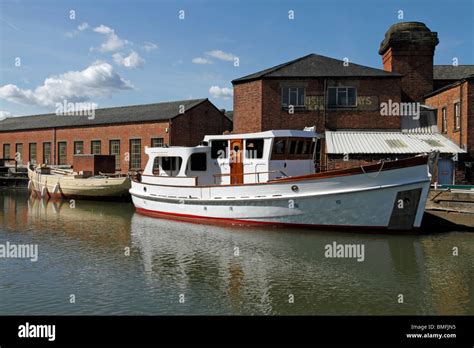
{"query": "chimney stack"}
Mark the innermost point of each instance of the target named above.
(408, 49)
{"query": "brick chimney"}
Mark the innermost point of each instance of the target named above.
(408, 49)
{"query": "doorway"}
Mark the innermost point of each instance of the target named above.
(236, 162)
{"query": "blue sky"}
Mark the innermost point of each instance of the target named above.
(134, 52)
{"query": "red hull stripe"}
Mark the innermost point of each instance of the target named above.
(225, 221)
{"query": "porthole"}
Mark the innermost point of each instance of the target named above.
(295, 188)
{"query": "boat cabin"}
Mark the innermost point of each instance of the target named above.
(234, 159)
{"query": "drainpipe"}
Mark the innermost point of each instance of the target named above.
(169, 132)
(54, 146)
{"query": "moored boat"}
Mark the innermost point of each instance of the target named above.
(59, 183)
(270, 178)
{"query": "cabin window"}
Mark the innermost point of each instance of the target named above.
(62, 153)
(156, 166)
(78, 147)
(114, 149)
(6, 151)
(254, 148)
(292, 147)
(280, 146)
(306, 147)
(19, 153)
(96, 147)
(171, 164)
(219, 148)
(47, 153)
(32, 153)
(198, 162)
(135, 154)
(299, 148)
(342, 97)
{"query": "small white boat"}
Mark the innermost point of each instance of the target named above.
(270, 178)
(59, 183)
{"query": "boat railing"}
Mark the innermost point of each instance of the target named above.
(257, 175)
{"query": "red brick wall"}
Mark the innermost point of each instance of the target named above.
(187, 129)
(144, 131)
(447, 98)
(190, 128)
(415, 62)
(248, 107)
(257, 106)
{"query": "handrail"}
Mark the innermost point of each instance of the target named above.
(238, 174)
(257, 174)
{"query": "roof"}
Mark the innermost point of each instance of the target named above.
(122, 114)
(229, 114)
(314, 65)
(267, 134)
(451, 72)
(387, 142)
(449, 86)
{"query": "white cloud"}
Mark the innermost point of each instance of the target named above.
(150, 46)
(113, 42)
(200, 60)
(80, 27)
(133, 60)
(83, 26)
(96, 81)
(5, 114)
(228, 57)
(221, 92)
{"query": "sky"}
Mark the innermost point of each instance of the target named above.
(114, 53)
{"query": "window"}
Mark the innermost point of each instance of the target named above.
(279, 147)
(292, 148)
(19, 153)
(293, 96)
(171, 164)
(47, 153)
(96, 147)
(62, 153)
(254, 148)
(219, 148)
(135, 154)
(157, 142)
(114, 149)
(444, 120)
(32, 153)
(342, 96)
(78, 147)
(6, 150)
(198, 162)
(457, 116)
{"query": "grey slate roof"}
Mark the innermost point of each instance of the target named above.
(122, 114)
(314, 65)
(450, 72)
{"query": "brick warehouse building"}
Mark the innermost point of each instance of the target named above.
(339, 96)
(121, 131)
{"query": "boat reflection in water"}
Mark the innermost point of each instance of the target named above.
(218, 270)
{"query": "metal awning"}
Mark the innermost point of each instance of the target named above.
(387, 142)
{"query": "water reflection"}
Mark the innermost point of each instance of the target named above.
(220, 270)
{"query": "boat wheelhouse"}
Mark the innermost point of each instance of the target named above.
(271, 178)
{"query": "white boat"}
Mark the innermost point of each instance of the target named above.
(59, 183)
(270, 178)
